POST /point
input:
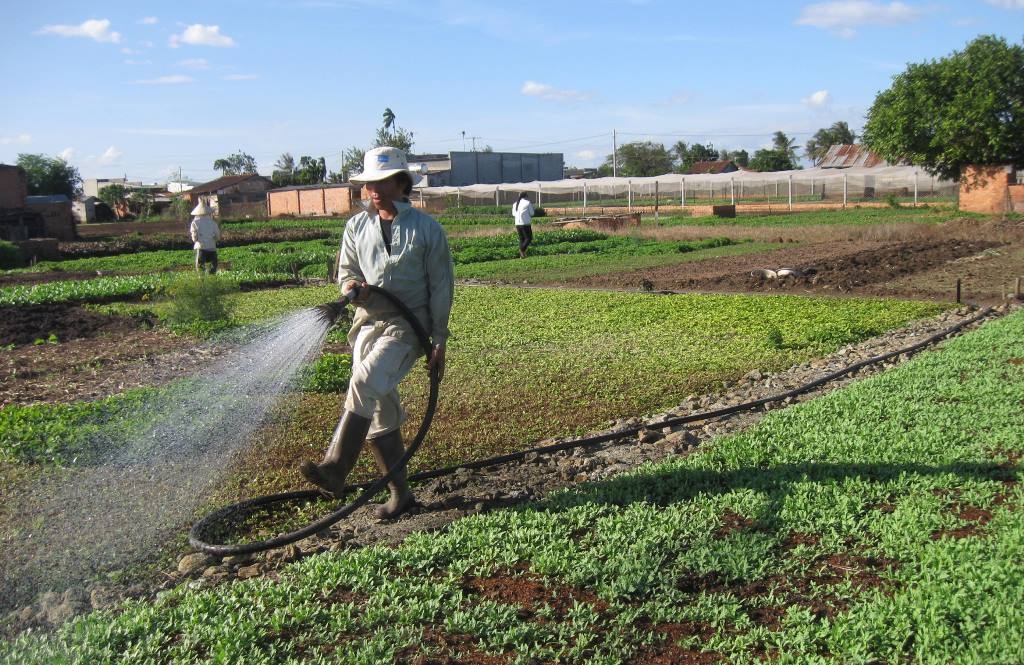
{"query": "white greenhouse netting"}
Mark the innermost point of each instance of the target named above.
(851, 185)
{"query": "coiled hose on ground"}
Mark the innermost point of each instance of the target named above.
(197, 533)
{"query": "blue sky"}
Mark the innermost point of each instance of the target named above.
(144, 89)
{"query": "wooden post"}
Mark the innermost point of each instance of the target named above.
(958, 290)
(1016, 288)
(655, 200)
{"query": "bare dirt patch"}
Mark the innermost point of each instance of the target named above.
(920, 269)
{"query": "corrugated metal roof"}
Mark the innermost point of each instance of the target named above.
(716, 166)
(843, 156)
(324, 185)
(225, 181)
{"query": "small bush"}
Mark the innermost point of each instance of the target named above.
(10, 256)
(199, 299)
(329, 374)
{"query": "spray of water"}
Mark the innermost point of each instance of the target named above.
(153, 472)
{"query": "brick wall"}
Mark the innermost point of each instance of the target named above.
(13, 187)
(283, 203)
(315, 202)
(338, 200)
(59, 222)
(1017, 198)
(311, 201)
(985, 189)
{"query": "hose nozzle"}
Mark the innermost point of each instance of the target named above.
(330, 312)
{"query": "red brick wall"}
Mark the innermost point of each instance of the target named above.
(1017, 198)
(282, 203)
(984, 189)
(339, 200)
(310, 202)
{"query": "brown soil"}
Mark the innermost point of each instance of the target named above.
(101, 354)
(926, 269)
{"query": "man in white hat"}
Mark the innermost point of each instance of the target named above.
(396, 247)
(205, 234)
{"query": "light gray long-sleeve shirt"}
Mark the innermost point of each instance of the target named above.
(204, 232)
(418, 269)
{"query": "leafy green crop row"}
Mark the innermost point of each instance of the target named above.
(106, 289)
(881, 523)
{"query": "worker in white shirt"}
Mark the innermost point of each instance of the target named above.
(205, 234)
(395, 247)
(523, 212)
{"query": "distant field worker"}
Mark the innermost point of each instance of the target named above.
(522, 211)
(205, 234)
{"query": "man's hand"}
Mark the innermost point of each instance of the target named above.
(362, 294)
(436, 359)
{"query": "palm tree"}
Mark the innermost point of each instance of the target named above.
(285, 163)
(784, 145)
(389, 118)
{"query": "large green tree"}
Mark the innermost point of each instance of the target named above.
(688, 155)
(942, 115)
(640, 158)
(818, 145)
(240, 163)
(50, 175)
(390, 134)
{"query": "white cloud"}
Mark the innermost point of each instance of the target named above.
(817, 99)
(131, 61)
(586, 154)
(202, 35)
(1007, 4)
(149, 20)
(167, 80)
(20, 139)
(545, 91)
(110, 156)
(66, 154)
(844, 17)
(194, 63)
(241, 77)
(678, 98)
(96, 29)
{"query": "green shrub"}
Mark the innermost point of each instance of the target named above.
(10, 256)
(329, 374)
(199, 299)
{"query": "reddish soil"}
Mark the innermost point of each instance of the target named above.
(919, 269)
(101, 354)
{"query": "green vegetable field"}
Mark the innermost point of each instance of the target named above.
(880, 523)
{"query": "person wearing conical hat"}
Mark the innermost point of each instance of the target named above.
(398, 248)
(205, 234)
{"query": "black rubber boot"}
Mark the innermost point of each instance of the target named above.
(387, 451)
(342, 453)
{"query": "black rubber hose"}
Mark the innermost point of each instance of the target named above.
(566, 445)
(197, 534)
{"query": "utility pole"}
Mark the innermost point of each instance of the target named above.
(615, 156)
(463, 141)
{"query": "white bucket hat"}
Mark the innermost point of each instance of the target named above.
(202, 209)
(382, 163)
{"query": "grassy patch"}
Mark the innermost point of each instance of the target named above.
(879, 524)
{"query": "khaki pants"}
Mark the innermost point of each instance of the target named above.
(379, 363)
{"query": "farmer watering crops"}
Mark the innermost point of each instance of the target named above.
(404, 251)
